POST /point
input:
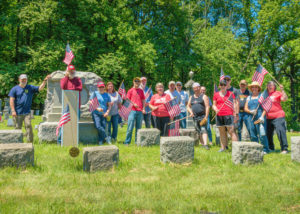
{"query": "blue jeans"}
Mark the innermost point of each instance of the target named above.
(137, 118)
(255, 134)
(114, 120)
(100, 123)
(147, 119)
(182, 122)
(243, 117)
(208, 129)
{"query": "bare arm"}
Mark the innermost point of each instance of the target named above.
(189, 107)
(246, 107)
(215, 106)
(42, 86)
(12, 106)
(284, 96)
(206, 102)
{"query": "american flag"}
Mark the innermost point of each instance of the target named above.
(229, 101)
(147, 94)
(69, 55)
(125, 109)
(173, 108)
(122, 91)
(259, 75)
(222, 76)
(174, 129)
(265, 101)
(215, 88)
(65, 117)
(94, 104)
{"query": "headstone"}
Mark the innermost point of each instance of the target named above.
(217, 134)
(295, 148)
(247, 152)
(100, 158)
(189, 90)
(10, 122)
(11, 136)
(245, 133)
(53, 104)
(70, 129)
(16, 154)
(177, 149)
(6, 109)
(148, 137)
(47, 132)
(191, 132)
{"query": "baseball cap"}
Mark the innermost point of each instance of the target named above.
(172, 82)
(227, 76)
(100, 84)
(71, 67)
(196, 84)
(23, 76)
(178, 83)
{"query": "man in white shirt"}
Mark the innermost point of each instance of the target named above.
(184, 100)
(174, 94)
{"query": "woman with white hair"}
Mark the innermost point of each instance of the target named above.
(257, 120)
(276, 117)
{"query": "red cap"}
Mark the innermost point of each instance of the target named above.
(71, 67)
(100, 84)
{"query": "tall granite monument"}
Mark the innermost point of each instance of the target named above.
(53, 108)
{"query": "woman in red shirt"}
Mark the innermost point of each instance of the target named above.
(276, 117)
(160, 115)
(224, 106)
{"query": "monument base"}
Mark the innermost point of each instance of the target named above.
(87, 132)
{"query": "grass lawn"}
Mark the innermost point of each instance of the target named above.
(142, 184)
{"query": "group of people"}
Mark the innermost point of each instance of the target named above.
(233, 108)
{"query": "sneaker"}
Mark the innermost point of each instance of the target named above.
(206, 147)
(265, 153)
(108, 140)
(284, 152)
(100, 143)
(222, 150)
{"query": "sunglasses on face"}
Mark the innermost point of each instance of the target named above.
(222, 85)
(137, 81)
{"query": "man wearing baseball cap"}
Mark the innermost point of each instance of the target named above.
(242, 95)
(147, 115)
(137, 98)
(184, 101)
(20, 103)
(70, 82)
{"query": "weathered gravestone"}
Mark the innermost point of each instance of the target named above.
(191, 132)
(100, 158)
(245, 133)
(177, 149)
(295, 148)
(148, 137)
(53, 107)
(247, 152)
(16, 154)
(11, 136)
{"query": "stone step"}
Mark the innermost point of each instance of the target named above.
(11, 136)
(54, 117)
(16, 154)
(56, 109)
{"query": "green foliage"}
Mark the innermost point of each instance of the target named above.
(162, 40)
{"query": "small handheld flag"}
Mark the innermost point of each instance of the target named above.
(125, 109)
(65, 118)
(222, 76)
(122, 91)
(174, 129)
(229, 102)
(259, 74)
(265, 101)
(173, 108)
(94, 104)
(68, 55)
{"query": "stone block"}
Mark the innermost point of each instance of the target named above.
(148, 137)
(100, 158)
(87, 132)
(11, 136)
(247, 152)
(295, 148)
(16, 154)
(191, 133)
(245, 133)
(177, 149)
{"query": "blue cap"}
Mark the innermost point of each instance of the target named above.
(178, 83)
(227, 76)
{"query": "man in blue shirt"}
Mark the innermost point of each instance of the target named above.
(147, 115)
(184, 100)
(102, 112)
(20, 103)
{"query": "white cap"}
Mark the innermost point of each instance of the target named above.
(23, 76)
(195, 84)
(143, 78)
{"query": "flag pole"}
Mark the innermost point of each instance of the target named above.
(178, 120)
(121, 84)
(274, 78)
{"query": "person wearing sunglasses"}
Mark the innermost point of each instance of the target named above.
(226, 114)
(137, 97)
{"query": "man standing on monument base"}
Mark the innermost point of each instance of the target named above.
(20, 103)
